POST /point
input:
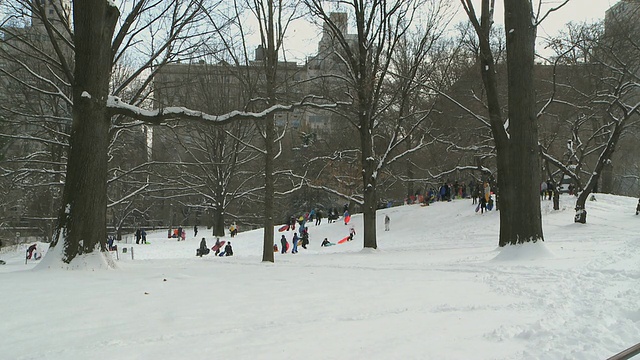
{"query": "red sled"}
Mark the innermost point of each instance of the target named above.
(217, 247)
(342, 241)
(283, 228)
(347, 219)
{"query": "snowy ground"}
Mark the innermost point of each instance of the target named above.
(437, 288)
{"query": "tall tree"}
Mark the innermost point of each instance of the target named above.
(364, 66)
(608, 107)
(516, 139)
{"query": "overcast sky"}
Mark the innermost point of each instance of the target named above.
(304, 37)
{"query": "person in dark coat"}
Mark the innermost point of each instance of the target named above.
(143, 236)
(638, 207)
(179, 233)
(203, 250)
(305, 238)
(195, 231)
(483, 204)
(30, 250)
(138, 234)
(295, 239)
(318, 217)
(228, 250)
(283, 241)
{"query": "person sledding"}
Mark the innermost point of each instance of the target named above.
(326, 242)
(203, 250)
(638, 207)
(352, 233)
(228, 250)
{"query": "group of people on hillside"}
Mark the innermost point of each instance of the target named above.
(180, 234)
(217, 248)
(296, 240)
(447, 192)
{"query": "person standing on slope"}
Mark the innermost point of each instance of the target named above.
(283, 241)
(294, 250)
(386, 222)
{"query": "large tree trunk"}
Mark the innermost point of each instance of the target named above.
(82, 219)
(218, 221)
(518, 161)
(267, 250)
(603, 160)
(369, 181)
(271, 65)
(606, 183)
(520, 193)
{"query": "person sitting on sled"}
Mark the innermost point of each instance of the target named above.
(203, 250)
(352, 232)
(326, 242)
(228, 250)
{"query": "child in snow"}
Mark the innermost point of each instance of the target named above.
(305, 237)
(326, 242)
(203, 250)
(386, 222)
(228, 250)
(295, 239)
(638, 207)
(352, 232)
(283, 241)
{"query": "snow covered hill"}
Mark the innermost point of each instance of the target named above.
(437, 287)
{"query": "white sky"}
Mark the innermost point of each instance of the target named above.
(438, 287)
(304, 36)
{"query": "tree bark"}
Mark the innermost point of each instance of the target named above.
(82, 219)
(525, 221)
(271, 65)
(369, 181)
(518, 162)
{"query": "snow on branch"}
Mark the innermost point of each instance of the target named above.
(159, 116)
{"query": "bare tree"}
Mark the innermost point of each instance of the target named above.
(604, 111)
(516, 140)
(367, 63)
